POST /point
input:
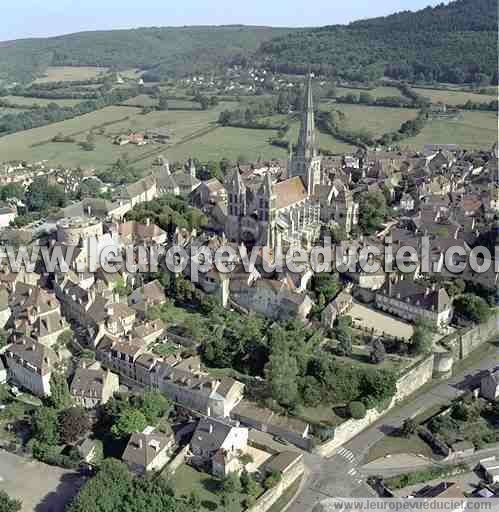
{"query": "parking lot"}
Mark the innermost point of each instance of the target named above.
(41, 488)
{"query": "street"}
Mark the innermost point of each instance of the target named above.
(342, 475)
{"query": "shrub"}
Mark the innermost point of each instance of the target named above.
(357, 410)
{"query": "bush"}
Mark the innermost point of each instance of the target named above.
(357, 410)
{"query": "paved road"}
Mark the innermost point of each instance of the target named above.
(341, 475)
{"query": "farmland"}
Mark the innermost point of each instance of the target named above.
(42, 102)
(194, 133)
(475, 130)
(454, 97)
(70, 73)
(378, 92)
(376, 120)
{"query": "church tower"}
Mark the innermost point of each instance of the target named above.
(306, 161)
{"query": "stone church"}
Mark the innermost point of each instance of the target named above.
(290, 212)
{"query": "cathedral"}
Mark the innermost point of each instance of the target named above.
(289, 213)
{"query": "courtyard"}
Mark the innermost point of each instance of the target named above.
(369, 319)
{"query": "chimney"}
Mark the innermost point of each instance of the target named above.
(210, 428)
(139, 444)
(148, 221)
(426, 292)
(109, 310)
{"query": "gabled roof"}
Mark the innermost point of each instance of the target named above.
(289, 192)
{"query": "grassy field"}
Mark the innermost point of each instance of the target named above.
(376, 120)
(476, 130)
(391, 445)
(378, 92)
(70, 73)
(454, 97)
(22, 100)
(326, 141)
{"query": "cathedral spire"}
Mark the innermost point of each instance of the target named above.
(306, 142)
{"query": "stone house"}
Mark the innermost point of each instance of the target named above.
(93, 387)
(340, 305)
(272, 299)
(209, 192)
(31, 364)
(150, 295)
(489, 386)
(192, 389)
(36, 313)
(148, 451)
(219, 445)
(136, 233)
(410, 300)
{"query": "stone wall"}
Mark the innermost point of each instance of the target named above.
(464, 342)
(177, 461)
(477, 336)
(408, 383)
(268, 498)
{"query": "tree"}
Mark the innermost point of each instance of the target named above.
(372, 211)
(194, 501)
(73, 424)
(250, 485)
(272, 480)
(472, 308)
(131, 420)
(282, 375)
(343, 334)
(422, 337)
(45, 426)
(60, 397)
(163, 103)
(311, 391)
(408, 428)
(357, 410)
(378, 352)
(8, 504)
(42, 195)
(153, 405)
(4, 337)
(231, 484)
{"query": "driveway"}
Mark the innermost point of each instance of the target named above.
(41, 488)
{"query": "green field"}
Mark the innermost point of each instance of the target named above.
(194, 133)
(70, 73)
(376, 120)
(476, 130)
(22, 100)
(378, 92)
(454, 97)
(325, 141)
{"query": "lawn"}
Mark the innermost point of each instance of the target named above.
(391, 445)
(70, 73)
(475, 130)
(454, 97)
(187, 480)
(321, 414)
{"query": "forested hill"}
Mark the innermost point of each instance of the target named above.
(448, 43)
(163, 51)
